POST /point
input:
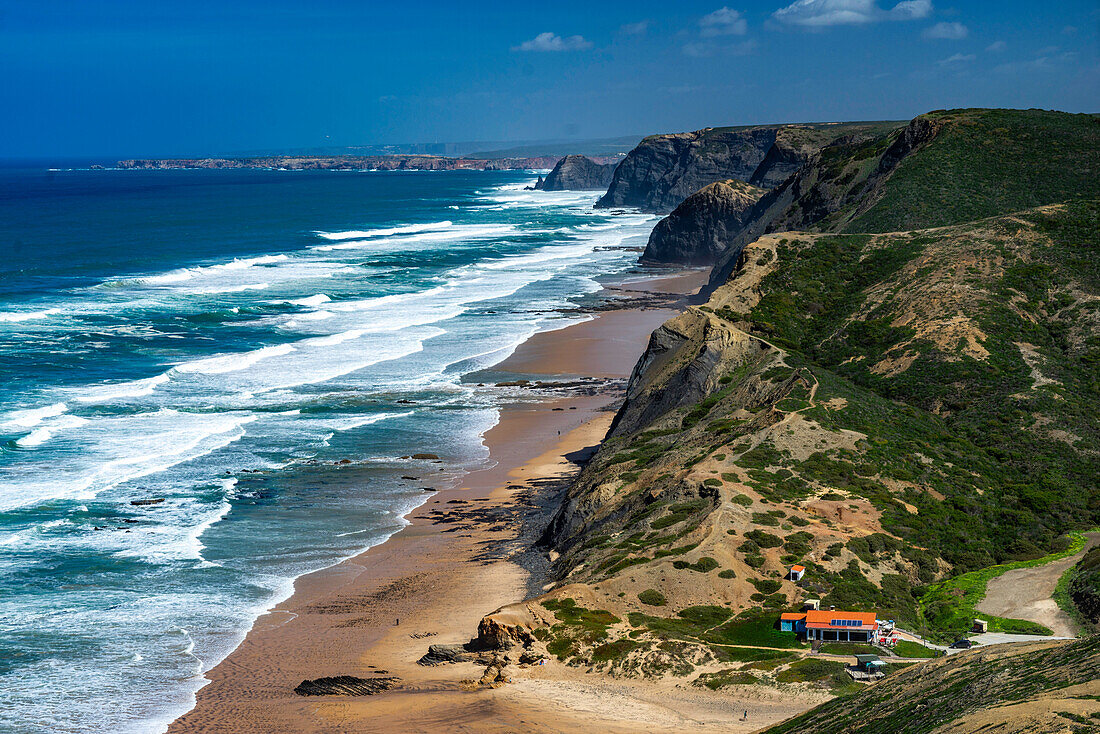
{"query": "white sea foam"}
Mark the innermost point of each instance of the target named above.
(347, 424)
(40, 436)
(311, 301)
(186, 274)
(181, 538)
(334, 339)
(214, 290)
(308, 316)
(33, 416)
(421, 240)
(104, 452)
(387, 232)
(19, 316)
(115, 391)
(232, 362)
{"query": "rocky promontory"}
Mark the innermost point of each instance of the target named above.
(663, 170)
(698, 231)
(577, 173)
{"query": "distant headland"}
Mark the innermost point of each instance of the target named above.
(355, 163)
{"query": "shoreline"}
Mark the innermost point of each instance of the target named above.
(368, 604)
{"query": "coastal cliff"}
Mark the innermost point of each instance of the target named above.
(663, 170)
(878, 400)
(932, 172)
(577, 173)
(699, 230)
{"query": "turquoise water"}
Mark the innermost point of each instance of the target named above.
(259, 349)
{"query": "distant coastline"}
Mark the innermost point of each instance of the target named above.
(353, 163)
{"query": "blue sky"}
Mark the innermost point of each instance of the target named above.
(123, 78)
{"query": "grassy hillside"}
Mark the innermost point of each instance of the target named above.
(988, 162)
(943, 168)
(987, 333)
(1008, 689)
(888, 410)
(1082, 590)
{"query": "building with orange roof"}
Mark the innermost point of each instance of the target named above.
(837, 626)
(792, 621)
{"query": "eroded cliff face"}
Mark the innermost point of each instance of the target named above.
(577, 173)
(666, 169)
(698, 231)
(663, 170)
(835, 184)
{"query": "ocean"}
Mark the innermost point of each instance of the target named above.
(254, 352)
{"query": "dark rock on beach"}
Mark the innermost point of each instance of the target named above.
(346, 685)
(442, 654)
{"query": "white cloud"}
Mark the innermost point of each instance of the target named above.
(710, 48)
(1048, 59)
(996, 46)
(911, 10)
(722, 22)
(948, 31)
(553, 42)
(1069, 30)
(822, 13)
(957, 59)
(635, 29)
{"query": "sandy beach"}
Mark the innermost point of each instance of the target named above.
(465, 553)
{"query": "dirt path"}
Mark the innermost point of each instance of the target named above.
(1025, 593)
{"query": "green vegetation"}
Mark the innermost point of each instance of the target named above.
(849, 648)
(948, 609)
(678, 513)
(1079, 590)
(576, 627)
(714, 626)
(810, 669)
(723, 678)
(766, 586)
(705, 564)
(653, 598)
(754, 628)
(614, 650)
(954, 374)
(763, 539)
(988, 162)
(954, 687)
(756, 658)
(908, 649)
(992, 481)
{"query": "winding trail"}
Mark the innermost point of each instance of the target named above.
(1027, 593)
